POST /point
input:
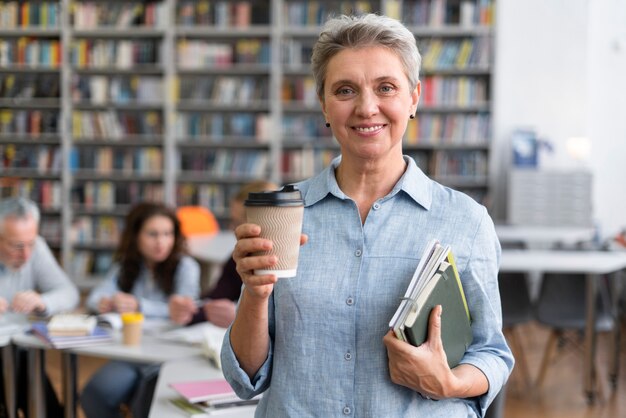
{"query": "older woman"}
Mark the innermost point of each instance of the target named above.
(319, 344)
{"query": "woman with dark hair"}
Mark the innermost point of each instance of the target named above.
(150, 266)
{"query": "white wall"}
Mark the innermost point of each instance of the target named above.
(560, 68)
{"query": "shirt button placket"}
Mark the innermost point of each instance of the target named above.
(347, 410)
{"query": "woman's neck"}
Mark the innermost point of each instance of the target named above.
(366, 183)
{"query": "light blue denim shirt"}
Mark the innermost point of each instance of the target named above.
(327, 357)
(153, 301)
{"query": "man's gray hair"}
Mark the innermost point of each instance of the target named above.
(18, 207)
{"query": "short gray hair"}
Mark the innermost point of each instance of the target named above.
(362, 31)
(18, 207)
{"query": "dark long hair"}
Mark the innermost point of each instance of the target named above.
(131, 260)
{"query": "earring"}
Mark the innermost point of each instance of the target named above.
(327, 125)
(411, 116)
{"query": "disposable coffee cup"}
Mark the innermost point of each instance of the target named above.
(132, 323)
(279, 214)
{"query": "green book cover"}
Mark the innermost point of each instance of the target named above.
(456, 333)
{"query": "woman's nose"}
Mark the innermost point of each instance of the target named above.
(367, 104)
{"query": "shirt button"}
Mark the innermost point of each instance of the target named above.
(350, 301)
(348, 356)
(347, 410)
(358, 253)
(376, 206)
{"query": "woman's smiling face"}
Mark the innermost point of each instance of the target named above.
(368, 101)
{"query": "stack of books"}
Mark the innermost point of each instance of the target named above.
(435, 282)
(206, 398)
(71, 330)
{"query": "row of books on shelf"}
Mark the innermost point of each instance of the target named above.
(106, 160)
(436, 13)
(115, 125)
(28, 86)
(449, 129)
(459, 163)
(299, 89)
(26, 14)
(315, 13)
(116, 89)
(132, 14)
(238, 14)
(41, 158)
(50, 228)
(115, 53)
(217, 126)
(305, 163)
(205, 195)
(31, 52)
(106, 195)
(438, 54)
(305, 128)
(296, 53)
(454, 91)
(47, 193)
(84, 263)
(224, 163)
(96, 229)
(223, 90)
(200, 53)
(28, 122)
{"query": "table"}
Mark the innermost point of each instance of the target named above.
(216, 248)
(191, 368)
(545, 235)
(151, 350)
(591, 263)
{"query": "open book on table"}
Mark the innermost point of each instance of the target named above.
(435, 282)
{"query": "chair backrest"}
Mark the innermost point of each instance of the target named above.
(496, 409)
(562, 302)
(517, 307)
(197, 220)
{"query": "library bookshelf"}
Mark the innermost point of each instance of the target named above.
(106, 103)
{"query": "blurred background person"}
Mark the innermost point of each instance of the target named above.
(31, 282)
(151, 265)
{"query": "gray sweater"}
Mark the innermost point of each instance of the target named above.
(43, 274)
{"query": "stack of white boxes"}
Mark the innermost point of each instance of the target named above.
(550, 197)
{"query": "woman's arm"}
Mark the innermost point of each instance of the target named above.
(249, 334)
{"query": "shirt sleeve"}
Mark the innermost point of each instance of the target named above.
(489, 351)
(57, 291)
(107, 288)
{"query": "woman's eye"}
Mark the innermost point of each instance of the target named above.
(344, 91)
(386, 89)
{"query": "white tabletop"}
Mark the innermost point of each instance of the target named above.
(532, 234)
(192, 368)
(549, 261)
(215, 248)
(151, 350)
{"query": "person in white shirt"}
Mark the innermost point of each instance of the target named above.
(31, 281)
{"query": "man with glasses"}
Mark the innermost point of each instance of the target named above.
(31, 280)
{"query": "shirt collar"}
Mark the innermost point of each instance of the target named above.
(413, 182)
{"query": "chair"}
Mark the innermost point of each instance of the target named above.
(197, 220)
(561, 305)
(517, 309)
(496, 409)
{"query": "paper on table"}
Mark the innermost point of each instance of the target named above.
(204, 334)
